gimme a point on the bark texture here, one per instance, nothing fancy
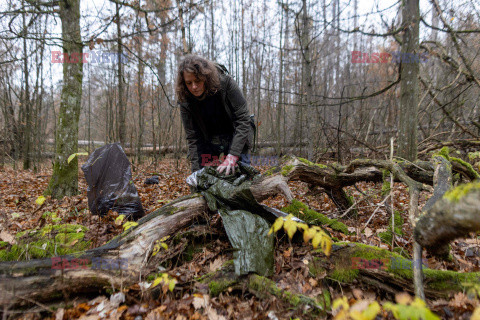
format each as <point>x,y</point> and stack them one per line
<point>64,181</point>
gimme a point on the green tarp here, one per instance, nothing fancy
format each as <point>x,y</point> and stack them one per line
<point>245,220</point>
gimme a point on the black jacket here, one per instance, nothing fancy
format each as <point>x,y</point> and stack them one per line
<point>236,107</point>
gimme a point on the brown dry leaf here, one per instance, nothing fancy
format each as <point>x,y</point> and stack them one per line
<point>59,314</point>
<point>460,300</point>
<point>200,301</point>
<point>216,264</point>
<point>357,293</point>
<point>368,232</point>
<point>287,253</point>
<point>360,305</point>
<point>403,298</point>
<point>7,237</point>
<point>213,315</point>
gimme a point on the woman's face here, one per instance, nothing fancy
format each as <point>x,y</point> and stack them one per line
<point>194,85</point>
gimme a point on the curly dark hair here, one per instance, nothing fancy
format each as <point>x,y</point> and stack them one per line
<point>203,69</point>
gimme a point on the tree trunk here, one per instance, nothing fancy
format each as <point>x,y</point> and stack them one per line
<point>64,181</point>
<point>409,71</point>
<point>26,103</point>
<point>122,104</point>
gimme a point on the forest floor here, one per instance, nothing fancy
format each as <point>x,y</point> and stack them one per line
<point>19,212</point>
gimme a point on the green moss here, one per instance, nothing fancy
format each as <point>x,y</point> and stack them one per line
<point>69,238</point>
<point>4,244</point>
<point>312,217</point>
<point>315,267</point>
<point>327,299</point>
<point>449,280</point>
<point>51,240</point>
<point>264,285</point>
<point>386,182</point>
<point>216,287</point>
<point>272,171</point>
<point>402,252</point>
<point>444,152</point>
<point>474,155</point>
<point>307,162</point>
<point>344,275</point>
<point>467,166</point>
<point>459,192</point>
<point>286,170</point>
<point>440,280</point>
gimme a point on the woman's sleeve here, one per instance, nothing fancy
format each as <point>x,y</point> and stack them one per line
<point>242,117</point>
<point>192,138</point>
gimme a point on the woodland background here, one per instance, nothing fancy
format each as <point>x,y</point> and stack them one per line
<point>294,62</point>
<point>292,59</point>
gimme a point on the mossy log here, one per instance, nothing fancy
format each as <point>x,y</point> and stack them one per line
<point>387,271</point>
<point>454,215</point>
<point>25,282</point>
<point>225,279</point>
<point>349,263</point>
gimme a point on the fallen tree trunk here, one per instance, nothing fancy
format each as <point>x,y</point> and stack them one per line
<point>25,282</point>
<point>34,280</point>
<point>356,263</point>
<point>453,216</point>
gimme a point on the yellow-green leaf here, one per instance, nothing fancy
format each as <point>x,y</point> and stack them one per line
<point>316,239</point>
<point>127,225</point>
<point>476,314</point>
<point>372,311</point>
<point>72,156</point>
<point>340,302</point>
<point>119,219</point>
<point>326,244</point>
<point>291,227</point>
<point>157,281</point>
<point>155,250</point>
<point>277,225</point>
<point>40,200</point>
<point>302,226</point>
<point>171,285</point>
<point>308,234</point>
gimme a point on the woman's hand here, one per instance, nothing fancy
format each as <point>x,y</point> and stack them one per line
<point>229,164</point>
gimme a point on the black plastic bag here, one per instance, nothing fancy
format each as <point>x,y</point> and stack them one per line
<point>110,185</point>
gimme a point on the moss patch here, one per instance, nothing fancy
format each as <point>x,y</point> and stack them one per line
<point>262,285</point>
<point>398,266</point>
<point>272,170</point>
<point>50,241</point>
<point>216,287</point>
<point>344,275</point>
<point>286,170</point>
<point>459,192</point>
<point>467,165</point>
<point>310,163</point>
<point>302,211</point>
